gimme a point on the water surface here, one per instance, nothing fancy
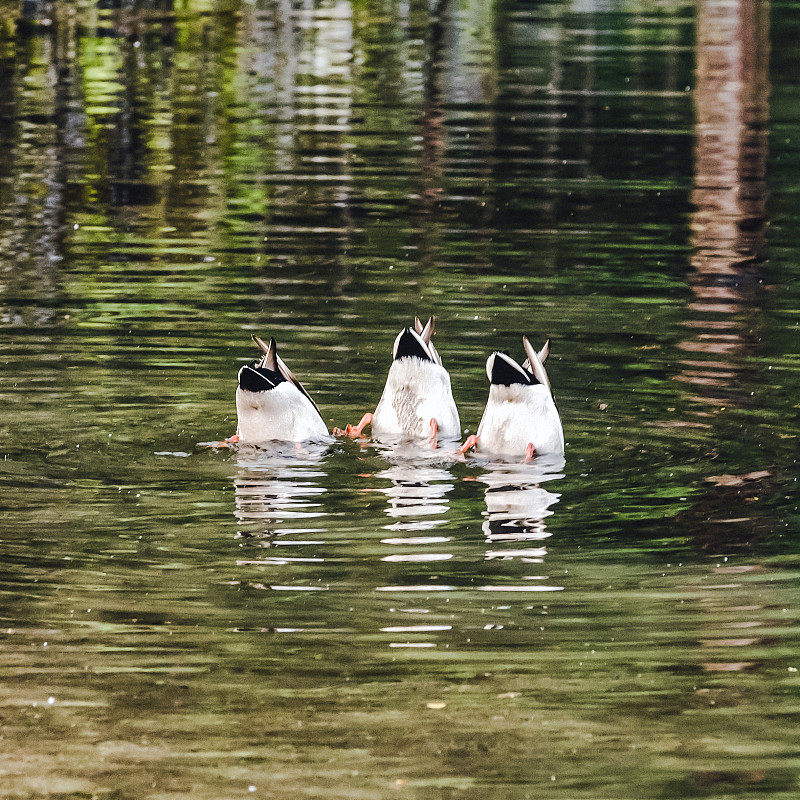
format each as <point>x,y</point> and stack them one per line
<point>357,620</point>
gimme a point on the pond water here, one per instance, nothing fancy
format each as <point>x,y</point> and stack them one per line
<point>358,621</point>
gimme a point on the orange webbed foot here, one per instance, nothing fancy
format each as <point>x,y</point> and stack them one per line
<point>354,430</point>
<point>434,433</point>
<point>231,440</point>
<point>530,452</point>
<point>472,441</point>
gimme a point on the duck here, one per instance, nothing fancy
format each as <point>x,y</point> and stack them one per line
<point>520,417</point>
<point>272,405</point>
<point>417,400</point>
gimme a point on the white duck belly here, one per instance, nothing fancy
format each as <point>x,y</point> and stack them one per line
<point>416,392</point>
<point>518,415</point>
<point>282,413</point>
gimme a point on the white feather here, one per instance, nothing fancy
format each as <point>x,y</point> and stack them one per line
<point>518,415</point>
<point>283,413</point>
<point>416,392</point>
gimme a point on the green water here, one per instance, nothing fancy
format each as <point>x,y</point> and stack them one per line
<point>356,621</point>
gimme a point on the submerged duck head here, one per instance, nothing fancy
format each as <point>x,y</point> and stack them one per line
<point>520,417</point>
<point>417,400</point>
<point>271,404</point>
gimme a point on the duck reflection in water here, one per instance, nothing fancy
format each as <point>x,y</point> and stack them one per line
<point>517,506</point>
<point>521,418</point>
<point>417,495</point>
<point>418,502</point>
<point>278,492</point>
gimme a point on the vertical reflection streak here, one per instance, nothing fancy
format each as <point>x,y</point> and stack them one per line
<point>728,224</point>
<point>277,493</point>
<point>417,501</point>
<point>729,197</point>
<point>517,506</point>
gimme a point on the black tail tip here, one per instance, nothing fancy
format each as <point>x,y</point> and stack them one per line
<point>410,345</point>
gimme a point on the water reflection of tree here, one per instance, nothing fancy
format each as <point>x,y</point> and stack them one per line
<point>729,198</point>
<point>728,224</point>
<point>459,73</point>
<point>39,130</point>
